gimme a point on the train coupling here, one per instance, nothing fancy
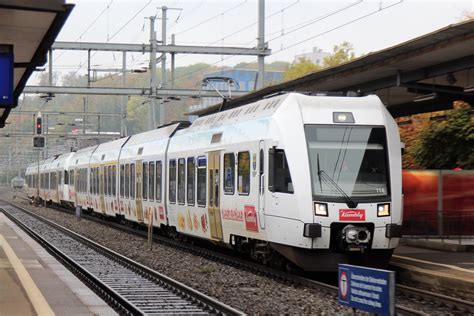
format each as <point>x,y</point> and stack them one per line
<point>356,237</point>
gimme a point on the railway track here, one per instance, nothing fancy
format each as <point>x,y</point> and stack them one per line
<point>126,285</point>
<point>410,300</point>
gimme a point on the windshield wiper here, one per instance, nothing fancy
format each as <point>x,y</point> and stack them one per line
<point>350,202</point>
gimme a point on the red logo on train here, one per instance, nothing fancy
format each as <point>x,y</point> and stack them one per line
<point>250,218</point>
<point>351,215</point>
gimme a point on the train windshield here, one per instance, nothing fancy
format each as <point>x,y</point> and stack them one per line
<point>347,161</point>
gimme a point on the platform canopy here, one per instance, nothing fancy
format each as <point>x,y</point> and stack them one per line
<point>30,28</point>
<point>424,74</point>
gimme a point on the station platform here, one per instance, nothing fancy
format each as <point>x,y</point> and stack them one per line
<point>32,282</point>
<point>445,270</point>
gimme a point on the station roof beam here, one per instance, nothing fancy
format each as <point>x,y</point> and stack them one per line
<point>30,27</point>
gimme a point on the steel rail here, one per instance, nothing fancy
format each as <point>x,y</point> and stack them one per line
<point>285,277</point>
<point>124,306</point>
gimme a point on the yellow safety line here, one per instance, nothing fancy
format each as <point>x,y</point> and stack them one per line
<point>34,294</point>
<point>436,264</point>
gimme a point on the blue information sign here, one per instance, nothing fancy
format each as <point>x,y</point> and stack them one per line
<point>6,79</point>
<point>367,289</point>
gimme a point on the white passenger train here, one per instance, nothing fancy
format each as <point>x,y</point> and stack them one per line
<point>314,179</point>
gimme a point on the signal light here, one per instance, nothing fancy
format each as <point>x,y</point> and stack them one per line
<point>39,125</point>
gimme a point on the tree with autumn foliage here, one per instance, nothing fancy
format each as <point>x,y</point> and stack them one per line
<point>341,54</point>
<point>448,144</point>
<point>301,68</point>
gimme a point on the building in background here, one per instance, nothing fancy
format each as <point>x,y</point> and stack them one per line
<point>316,56</point>
<point>243,80</point>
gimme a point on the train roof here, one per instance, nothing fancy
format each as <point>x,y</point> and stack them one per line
<point>109,151</point>
<point>153,135</point>
<point>262,108</point>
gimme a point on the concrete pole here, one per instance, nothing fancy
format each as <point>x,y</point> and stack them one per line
<point>151,112</point>
<point>123,126</point>
<point>261,43</point>
<point>50,57</point>
<point>163,63</point>
<point>84,116</point>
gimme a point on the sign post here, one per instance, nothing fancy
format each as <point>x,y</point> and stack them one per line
<point>367,289</point>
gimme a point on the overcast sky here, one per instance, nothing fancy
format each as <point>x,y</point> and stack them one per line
<point>292,27</point>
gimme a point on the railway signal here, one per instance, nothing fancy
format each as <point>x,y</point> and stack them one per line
<point>39,125</point>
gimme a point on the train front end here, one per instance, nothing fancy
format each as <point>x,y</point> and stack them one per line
<point>353,183</point>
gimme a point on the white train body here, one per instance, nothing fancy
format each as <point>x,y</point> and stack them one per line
<point>315,179</point>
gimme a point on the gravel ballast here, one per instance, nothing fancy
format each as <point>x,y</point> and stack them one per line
<point>243,290</point>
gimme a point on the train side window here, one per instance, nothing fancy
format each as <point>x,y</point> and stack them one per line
<point>114,180</point>
<point>201,181</point>
<point>122,180</point>
<point>151,181</point>
<point>99,180</point>
<point>172,181</point>
<point>158,181</point>
<point>132,181</point>
<point>127,180</point>
<point>244,173</point>
<point>106,180</point>
<point>181,180</point>
<point>110,180</point>
<point>229,173</point>
<point>91,181</point>
<point>279,178</point>
<point>145,181</point>
<point>261,185</point>
<point>190,178</point>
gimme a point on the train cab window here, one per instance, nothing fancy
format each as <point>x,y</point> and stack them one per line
<point>66,177</point>
<point>279,178</point>
<point>190,178</point>
<point>151,181</point>
<point>243,177</point>
<point>201,181</point>
<point>127,180</point>
<point>122,180</point>
<point>172,181</point>
<point>181,180</point>
<point>132,181</point>
<point>145,181</point>
<point>229,173</point>
<point>158,181</point>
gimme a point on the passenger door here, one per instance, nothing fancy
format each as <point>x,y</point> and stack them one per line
<point>261,187</point>
<point>138,190</point>
<point>215,222</point>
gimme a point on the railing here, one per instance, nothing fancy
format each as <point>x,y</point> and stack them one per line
<point>438,203</point>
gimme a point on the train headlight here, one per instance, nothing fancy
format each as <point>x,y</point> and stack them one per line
<point>321,209</point>
<point>383,209</point>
